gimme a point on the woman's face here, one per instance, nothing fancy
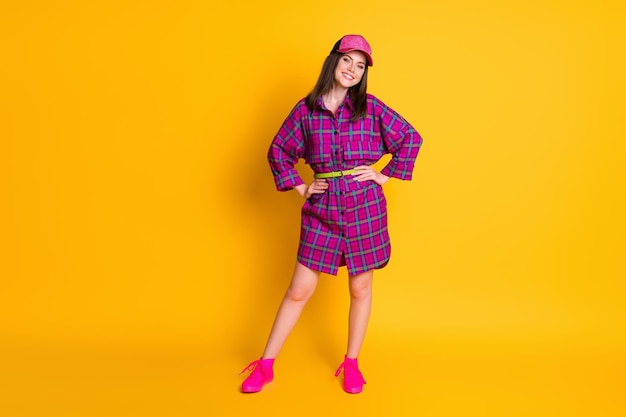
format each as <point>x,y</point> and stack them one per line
<point>350,69</point>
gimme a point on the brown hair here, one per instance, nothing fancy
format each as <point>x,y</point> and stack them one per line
<point>326,81</point>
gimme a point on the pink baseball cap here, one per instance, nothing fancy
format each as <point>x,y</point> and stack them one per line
<point>350,43</point>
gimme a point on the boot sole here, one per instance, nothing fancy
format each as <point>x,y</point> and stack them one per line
<point>255,389</point>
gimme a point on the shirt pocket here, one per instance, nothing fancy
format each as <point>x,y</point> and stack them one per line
<point>362,150</point>
<point>317,149</point>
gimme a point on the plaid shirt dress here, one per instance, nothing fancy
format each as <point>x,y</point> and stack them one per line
<point>347,224</point>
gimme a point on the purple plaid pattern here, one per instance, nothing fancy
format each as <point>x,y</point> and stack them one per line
<point>346,225</point>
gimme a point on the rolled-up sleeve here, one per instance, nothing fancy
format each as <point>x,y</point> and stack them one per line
<point>400,139</point>
<point>286,149</point>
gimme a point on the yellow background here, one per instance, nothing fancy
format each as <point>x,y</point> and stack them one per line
<point>145,249</point>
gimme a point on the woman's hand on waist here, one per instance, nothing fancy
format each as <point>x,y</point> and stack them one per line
<point>367,173</point>
<point>316,187</point>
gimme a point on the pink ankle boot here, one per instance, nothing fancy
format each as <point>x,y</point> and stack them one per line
<point>352,379</point>
<point>262,373</point>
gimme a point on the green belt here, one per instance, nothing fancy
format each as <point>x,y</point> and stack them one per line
<point>334,174</point>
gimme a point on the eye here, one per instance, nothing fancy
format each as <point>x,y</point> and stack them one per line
<point>361,67</point>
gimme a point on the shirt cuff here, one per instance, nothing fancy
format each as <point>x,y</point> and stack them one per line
<point>398,169</point>
<point>286,180</point>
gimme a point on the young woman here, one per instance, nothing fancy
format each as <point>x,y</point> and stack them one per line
<point>340,131</point>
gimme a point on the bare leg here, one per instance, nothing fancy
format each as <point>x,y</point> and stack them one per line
<point>302,286</point>
<point>360,308</point>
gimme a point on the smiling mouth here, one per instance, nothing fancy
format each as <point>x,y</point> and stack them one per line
<point>348,76</point>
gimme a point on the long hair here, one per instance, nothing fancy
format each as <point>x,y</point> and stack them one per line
<point>326,81</point>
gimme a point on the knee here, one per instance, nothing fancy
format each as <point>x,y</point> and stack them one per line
<point>299,293</point>
<point>361,291</point>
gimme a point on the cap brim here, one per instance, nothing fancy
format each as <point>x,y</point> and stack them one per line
<point>370,61</point>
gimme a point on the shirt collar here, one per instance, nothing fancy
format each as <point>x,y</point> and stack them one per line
<point>347,102</point>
